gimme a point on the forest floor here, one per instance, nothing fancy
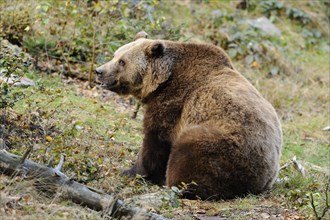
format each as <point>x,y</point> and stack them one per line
<point>94,129</point>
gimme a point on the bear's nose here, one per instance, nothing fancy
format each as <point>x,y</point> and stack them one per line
<point>98,72</point>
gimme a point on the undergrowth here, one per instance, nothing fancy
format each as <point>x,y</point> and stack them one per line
<point>94,129</point>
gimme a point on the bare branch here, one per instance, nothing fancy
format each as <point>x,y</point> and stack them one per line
<point>136,110</point>
<point>26,154</point>
<point>60,164</point>
<point>286,165</point>
<point>91,70</point>
<point>298,166</point>
<point>327,207</point>
<point>313,206</point>
<point>50,163</point>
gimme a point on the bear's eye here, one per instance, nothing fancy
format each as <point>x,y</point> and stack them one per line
<point>121,62</point>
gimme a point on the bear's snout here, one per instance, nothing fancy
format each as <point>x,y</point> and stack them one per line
<point>99,71</point>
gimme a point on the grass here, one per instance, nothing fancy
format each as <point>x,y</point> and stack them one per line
<point>94,129</point>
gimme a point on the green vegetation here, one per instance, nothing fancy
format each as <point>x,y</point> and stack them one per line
<point>60,43</point>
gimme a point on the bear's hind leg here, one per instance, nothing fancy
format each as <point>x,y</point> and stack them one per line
<point>218,163</point>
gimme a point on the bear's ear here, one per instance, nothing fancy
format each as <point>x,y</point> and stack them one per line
<point>141,34</point>
<point>156,49</point>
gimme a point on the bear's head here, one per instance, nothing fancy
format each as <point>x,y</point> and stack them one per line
<point>137,68</point>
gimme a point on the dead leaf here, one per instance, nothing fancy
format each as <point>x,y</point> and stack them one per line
<point>255,65</point>
<point>265,215</point>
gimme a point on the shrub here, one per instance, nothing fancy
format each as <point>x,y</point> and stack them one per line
<point>14,63</point>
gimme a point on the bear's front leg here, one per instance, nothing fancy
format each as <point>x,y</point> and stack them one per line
<point>152,159</point>
<point>137,168</point>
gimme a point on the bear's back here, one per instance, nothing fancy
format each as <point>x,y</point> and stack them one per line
<point>227,100</point>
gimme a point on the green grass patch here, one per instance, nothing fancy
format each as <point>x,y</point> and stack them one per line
<point>97,134</point>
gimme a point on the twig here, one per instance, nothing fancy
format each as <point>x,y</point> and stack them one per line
<point>26,154</point>
<point>60,164</point>
<point>327,207</point>
<point>296,165</point>
<point>313,206</point>
<point>91,72</point>
<point>136,110</point>
<point>50,163</point>
<point>286,165</point>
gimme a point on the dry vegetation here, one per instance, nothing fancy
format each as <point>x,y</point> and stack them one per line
<point>65,114</point>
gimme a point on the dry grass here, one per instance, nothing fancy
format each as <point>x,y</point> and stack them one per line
<point>20,200</point>
<point>108,140</point>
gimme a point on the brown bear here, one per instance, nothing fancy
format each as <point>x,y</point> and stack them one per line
<point>203,122</point>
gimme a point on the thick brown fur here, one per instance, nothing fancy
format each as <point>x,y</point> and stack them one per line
<point>203,121</point>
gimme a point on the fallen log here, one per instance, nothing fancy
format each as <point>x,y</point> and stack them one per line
<point>51,180</point>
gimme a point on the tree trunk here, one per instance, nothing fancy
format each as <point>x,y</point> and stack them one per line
<point>51,180</point>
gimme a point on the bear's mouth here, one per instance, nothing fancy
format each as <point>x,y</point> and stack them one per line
<point>117,87</point>
<point>110,85</point>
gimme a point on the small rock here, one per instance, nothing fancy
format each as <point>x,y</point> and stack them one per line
<point>265,215</point>
<point>17,81</point>
<point>14,50</point>
<point>326,128</point>
<point>325,48</point>
<point>149,200</point>
<point>25,82</point>
<point>265,25</point>
<point>200,217</point>
<point>216,13</point>
<point>274,71</point>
